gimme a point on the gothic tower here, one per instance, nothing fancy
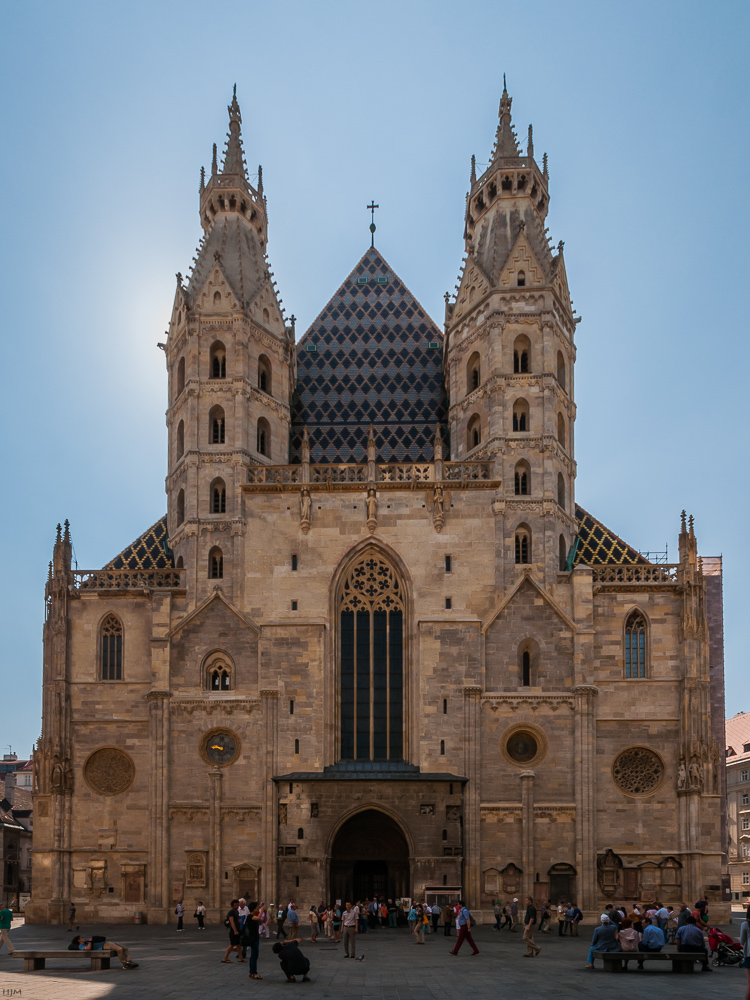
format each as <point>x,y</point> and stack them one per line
<point>509,355</point>
<point>231,362</point>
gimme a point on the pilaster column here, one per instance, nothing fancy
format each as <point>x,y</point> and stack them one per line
<point>472,846</point>
<point>214,860</point>
<point>527,847</point>
<point>270,700</point>
<point>585,792</point>
<point>158,800</point>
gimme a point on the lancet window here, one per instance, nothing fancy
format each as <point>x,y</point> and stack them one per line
<point>111,648</point>
<point>635,645</point>
<point>371,609</point>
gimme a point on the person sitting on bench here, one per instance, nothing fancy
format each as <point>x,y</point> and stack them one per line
<point>689,937</point>
<point>97,944</point>
<point>603,939</point>
<point>293,962</point>
<point>653,938</point>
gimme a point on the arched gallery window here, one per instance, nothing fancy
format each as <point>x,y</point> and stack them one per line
<point>216,427</point>
<point>180,513</point>
<point>180,375</point>
<point>561,369</point>
<point>523,544</point>
<point>215,564</point>
<point>474,432</point>
<point>264,437</point>
<point>264,375</point>
<point>528,662</point>
<point>561,429</point>
<point>561,489</point>
<point>110,638</point>
<point>473,373</point>
<point>522,479</point>
<point>563,553</point>
<point>218,361</point>
<point>371,609</point>
<point>180,446</point>
<point>522,354</point>
<point>218,497</point>
<point>635,645</point>
<point>521,415</point>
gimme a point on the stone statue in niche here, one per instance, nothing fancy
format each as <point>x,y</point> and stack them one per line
<point>372,510</point>
<point>694,772</point>
<point>438,509</point>
<point>57,775</point>
<point>681,776</point>
<point>282,813</point>
<point>305,511</point>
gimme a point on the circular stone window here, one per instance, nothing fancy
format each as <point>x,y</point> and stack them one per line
<point>109,771</point>
<point>220,746</point>
<point>524,745</point>
<point>638,771</point>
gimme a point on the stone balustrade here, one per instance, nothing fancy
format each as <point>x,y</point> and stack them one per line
<point>364,472</point>
<point>126,579</point>
<point>646,573</point>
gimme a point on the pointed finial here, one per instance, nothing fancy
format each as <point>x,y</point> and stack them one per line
<point>59,531</point>
<point>530,142</point>
<point>67,530</point>
<point>214,164</point>
<point>203,179</point>
<point>506,143</point>
<point>49,572</point>
<point>293,321</point>
<point>260,179</point>
<point>473,169</point>
<point>179,279</point>
<point>234,159</point>
<point>560,246</point>
<point>234,92</point>
<point>691,522</point>
<point>683,525</point>
<point>545,171</point>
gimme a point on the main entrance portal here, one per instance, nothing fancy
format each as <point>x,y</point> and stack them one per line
<point>370,857</point>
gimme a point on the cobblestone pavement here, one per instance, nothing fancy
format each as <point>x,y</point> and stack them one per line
<point>187,966</point>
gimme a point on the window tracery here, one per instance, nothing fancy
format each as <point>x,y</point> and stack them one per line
<point>371,613</point>
<point>635,645</point>
<point>111,648</point>
<point>638,771</point>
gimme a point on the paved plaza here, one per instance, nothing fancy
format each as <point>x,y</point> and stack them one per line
<point>187,966</point>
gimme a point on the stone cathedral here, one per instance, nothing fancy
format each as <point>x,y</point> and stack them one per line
<point>375,647</point>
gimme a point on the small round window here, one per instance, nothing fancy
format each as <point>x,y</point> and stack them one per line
<point>522,746</point>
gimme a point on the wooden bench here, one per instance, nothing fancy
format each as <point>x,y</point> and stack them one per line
<point>617,961</point>
<point>34,960</point>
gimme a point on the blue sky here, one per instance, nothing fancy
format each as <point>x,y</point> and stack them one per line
<point>109,110</point>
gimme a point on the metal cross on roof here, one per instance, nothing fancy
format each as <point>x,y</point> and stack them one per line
<point>372,206</point>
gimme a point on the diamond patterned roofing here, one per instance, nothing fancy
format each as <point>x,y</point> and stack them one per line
<point>371,363</point>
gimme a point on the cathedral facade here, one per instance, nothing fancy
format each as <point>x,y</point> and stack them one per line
<point>375,647</point>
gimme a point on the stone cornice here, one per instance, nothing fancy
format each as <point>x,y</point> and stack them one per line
<point>210,705</point>
<point>532,700</point>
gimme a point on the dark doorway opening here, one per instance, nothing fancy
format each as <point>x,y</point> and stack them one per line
<point>369,858</point>
<point>562,883</point>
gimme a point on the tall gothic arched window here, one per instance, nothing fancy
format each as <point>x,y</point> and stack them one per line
<point>111,648</point>
<point>371,609</point>
<point>635,645</point>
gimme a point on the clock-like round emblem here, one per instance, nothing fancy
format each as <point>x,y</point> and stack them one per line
<point>220,746</point>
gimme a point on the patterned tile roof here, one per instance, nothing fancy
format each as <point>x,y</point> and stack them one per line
<point>598,546</point>
<point>366,359</point>
<point>146,552</point>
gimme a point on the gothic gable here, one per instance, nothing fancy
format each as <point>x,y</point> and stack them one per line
<point>372,356</point>
<point>522,259</point>
<point>214,627</point>
<point>474,287</point>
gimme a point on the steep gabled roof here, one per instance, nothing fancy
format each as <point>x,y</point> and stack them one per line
<point>147,551</point>
<point>365,360</point>
<point>598,546</point>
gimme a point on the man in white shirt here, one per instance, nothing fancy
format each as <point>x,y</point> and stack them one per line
<point>349,920</point>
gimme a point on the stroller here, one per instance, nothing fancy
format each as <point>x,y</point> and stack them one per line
<point>728,951</point>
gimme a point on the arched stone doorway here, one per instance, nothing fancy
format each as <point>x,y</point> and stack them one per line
<point>369,858</point>
<point>562,883</point>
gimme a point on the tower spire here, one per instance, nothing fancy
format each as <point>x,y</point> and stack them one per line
<point>234,157</point>
<point>506,143</point>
